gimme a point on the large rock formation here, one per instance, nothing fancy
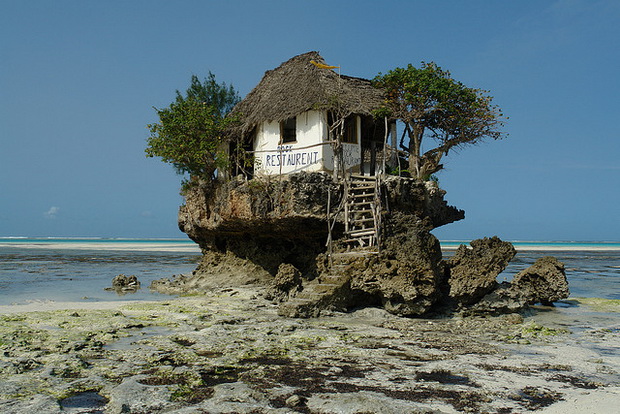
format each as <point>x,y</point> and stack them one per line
<point>473,271</point>
<point>249,229</point>
<point>268,222</point>
<point>544,282</point>
<point>274,231</point>
<point>406,276</point>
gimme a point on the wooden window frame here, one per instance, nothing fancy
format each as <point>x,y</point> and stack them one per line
<point>288,134</point>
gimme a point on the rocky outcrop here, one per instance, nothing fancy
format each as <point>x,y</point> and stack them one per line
<point>287,282</point>
<point>280,226</point>
<point>406,276</point>
<point>270,221</point>
<point>273,232</point>
<point>293,208</point>
<point>423,199</point>
<point>216,270</point>
<point>473,270</point>
<point>544,282</point>
<point>504,299</point>
<point>265,221</point>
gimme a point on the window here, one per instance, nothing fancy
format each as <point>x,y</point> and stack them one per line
<point>288,130</point>
<point>350,130</point>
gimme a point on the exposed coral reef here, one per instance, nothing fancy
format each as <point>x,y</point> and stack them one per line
<point>228,351</point>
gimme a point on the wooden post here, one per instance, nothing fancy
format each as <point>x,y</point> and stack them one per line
<point>373,157</point>
<point>329,227</point>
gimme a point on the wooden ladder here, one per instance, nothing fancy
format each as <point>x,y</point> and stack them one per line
<point>362,211</point>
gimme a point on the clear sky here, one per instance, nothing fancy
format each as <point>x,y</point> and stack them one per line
<point>79,79</point>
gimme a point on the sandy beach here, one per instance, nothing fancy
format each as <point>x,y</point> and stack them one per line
<point>106,246</point>
<point>229,351</point>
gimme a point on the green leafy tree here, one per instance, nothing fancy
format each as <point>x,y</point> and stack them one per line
<point>190,133</point>
<point>433,105</point>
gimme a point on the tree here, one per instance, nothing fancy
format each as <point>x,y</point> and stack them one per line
<point>190,133</point>
<point>223,98</point>
<point>432,104</point>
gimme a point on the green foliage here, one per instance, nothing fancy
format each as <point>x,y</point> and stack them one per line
<point>190,133</point>
<point>398,171</point>
<point>432,104</point>
<point>221,97</point>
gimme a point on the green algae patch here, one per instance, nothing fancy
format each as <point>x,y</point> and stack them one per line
<point>63,330</point>
<point>58,353</point>
<point>170,314</point>
<point>534,330</point>
<point>600,304</point>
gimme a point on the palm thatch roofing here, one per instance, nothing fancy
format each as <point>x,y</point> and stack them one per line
<point>297,86</point>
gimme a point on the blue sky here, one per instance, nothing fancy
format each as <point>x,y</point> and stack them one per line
<point>79,79</point>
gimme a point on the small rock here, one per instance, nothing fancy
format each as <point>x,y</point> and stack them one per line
<point>122,284</point>
<point>287,281</point>
<point>294,401</point>
<point>513,318</point>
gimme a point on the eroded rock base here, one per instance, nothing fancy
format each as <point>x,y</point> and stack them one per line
<point>273,232</point>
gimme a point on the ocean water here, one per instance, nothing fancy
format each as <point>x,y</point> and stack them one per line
<point>80,269</point>
<point>33,270</point>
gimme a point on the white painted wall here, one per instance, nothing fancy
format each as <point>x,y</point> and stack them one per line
<point>303,154</point>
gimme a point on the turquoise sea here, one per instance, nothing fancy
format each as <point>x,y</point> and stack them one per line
<point>78,269</point>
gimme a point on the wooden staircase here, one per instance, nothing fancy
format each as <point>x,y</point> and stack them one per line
<point>362,212</point>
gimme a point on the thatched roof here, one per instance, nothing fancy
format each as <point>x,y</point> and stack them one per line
<point>297,86</point>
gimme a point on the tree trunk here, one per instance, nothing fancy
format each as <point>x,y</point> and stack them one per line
<point>415,146</point>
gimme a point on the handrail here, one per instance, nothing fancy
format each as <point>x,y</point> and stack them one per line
<point>332,223</point>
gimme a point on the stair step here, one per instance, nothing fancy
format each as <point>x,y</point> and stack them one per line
<point>362,226</point>
<point>333,279</point>
<point>365,237</point>
<point>363,177</point>
<point>349,254</point>
<point>362,233</point>
<point>363,195</point>
<point>328,284</point>
<point>361,207</point>
<point>363,242</point>
<point>362,220</point>
<point>362,186</point>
